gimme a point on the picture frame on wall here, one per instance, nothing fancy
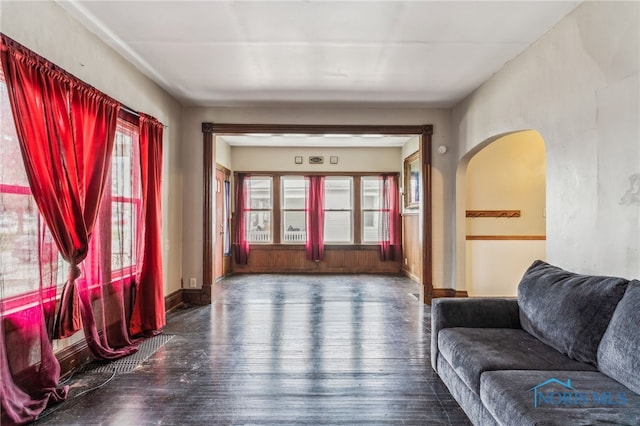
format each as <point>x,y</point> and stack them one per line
<point>412,181</point>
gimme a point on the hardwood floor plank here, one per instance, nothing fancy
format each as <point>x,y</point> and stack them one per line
<point>282,349</point>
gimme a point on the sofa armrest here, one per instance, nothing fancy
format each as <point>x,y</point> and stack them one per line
<point>471,313</point>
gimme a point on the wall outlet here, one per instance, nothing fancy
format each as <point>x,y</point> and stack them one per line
<point>406,261</point>
<point>192,283</point>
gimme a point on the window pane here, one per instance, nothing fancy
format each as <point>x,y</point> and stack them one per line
<point>125,199</point>
<point>123,235</point>
<point>337,227</point>
<point>371,193</point>
<point>258,221</point>
<point>294,227</point>
<point>20,223</point>
<point>293,192</point>
<point>259,192</point>
<point>258,226</point>
<point>19,244</point>
<point>370,223</point>
<point>121,166</point>
<point>337,194</point>
<point>338,224</point>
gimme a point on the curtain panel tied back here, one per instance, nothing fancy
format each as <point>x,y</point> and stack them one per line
<point>66,131</point>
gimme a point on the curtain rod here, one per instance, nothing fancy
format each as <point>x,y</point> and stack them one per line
<point>136,113</point>
<point>6,40</point>
<point>129,110</point>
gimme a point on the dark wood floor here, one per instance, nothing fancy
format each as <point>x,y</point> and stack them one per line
<point>281,349</point>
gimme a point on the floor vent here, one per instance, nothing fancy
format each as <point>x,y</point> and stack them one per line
<point>123,365</point>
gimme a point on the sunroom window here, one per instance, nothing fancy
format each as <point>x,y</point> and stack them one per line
<point>338,210</point>
<point>293,209</point>
<point>259,209</point>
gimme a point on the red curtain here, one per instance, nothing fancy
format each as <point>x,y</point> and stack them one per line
<point>242,245</point>
<point>314,216</point>
<point>102,298</point>
<point>66,132</point>
<point>19,406</point>
<point>390,229</point>
<point>148,315</point>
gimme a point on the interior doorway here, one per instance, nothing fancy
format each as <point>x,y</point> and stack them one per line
<point>222,246</point>
<point>211,130</point>
<point>504,212</point>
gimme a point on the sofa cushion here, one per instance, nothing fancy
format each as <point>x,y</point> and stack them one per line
<point>468,400</point>
<point>583,398</point>
<point>568,311</point>
<point>472,351</point>
<point>619,351</point>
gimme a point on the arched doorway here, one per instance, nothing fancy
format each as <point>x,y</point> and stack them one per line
<point>502,203</point>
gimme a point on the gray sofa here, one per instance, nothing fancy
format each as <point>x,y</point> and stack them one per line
<point>565,352</point>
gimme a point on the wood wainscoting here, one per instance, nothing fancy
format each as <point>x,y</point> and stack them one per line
<point>411,250</point>
<point>282,259</point>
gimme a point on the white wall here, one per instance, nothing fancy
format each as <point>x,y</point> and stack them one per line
<point>192,160</point>
<point>578,86</point>
<point>495,268</point>
<point>281,159</point>
<point>223,153</point>
<point>507,174</point>
<point>48,30</point>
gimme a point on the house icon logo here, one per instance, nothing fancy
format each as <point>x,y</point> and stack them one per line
<point>556,393</point>
<point>536,389</point>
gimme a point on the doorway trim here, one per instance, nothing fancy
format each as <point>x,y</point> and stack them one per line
<point>210,129</point>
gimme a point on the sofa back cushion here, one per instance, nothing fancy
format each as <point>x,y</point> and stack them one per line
<point>619,351</point>
<point>568,311</point>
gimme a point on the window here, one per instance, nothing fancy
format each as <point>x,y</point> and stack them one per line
<point>22,229</point>
<point>355,211</point>
<point>125,198</point>
<point>338,210</point>
<point>371,209</point>
<point>294,190</point>
<point>259,209</point>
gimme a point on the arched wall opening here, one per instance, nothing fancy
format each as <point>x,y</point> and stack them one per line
<point>501,209</point>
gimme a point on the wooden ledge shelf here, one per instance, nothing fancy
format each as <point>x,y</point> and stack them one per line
<point>493,213</point>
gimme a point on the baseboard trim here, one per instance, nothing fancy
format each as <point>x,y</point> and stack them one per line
<point>410,275</point>
<point>174,300</point>
<point>449,292</point>
<point>73,357</point>
<point>195,297</point>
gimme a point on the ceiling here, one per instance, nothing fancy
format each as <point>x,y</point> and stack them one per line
<point>364,53</point>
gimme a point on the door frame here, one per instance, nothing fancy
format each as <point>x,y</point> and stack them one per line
<point>210,129</point>
<point>225,260</point>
